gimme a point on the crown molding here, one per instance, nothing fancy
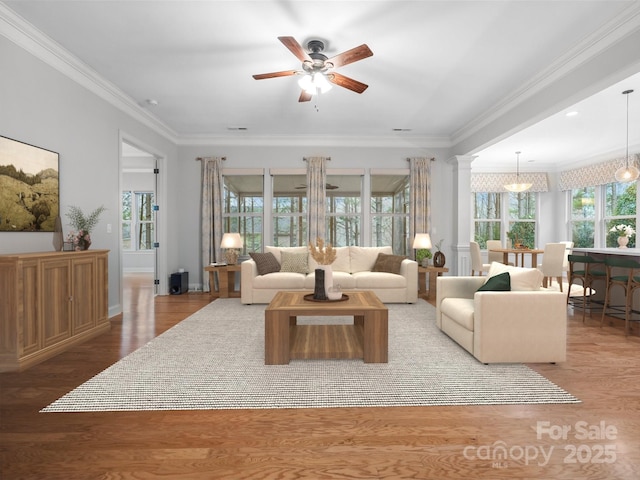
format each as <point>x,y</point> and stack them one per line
<point>243,139</point>
<point>29,38</point>
<point>625,24</point>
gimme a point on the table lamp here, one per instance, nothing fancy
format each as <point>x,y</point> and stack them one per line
<point>422,241</point>
<point>232,242</point>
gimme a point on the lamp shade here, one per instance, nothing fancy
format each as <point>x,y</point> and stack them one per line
<point>231,240</point>
<point>518,185</point>
<point>422,240</point>
<point>628,173</point>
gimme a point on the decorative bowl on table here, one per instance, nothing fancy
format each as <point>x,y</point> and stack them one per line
<point>334,293</point>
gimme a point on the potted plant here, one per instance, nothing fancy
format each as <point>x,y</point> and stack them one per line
<point>623,232</point>
<point>423,255</point>
<point>83,224</point>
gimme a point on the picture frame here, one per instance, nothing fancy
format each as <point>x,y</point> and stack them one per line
<point>29,187</point>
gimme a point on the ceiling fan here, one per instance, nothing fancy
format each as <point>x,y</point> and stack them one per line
<point>327,186</point>
<point>318,68</point>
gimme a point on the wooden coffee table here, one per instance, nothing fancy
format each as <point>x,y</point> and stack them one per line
<point>366,338</point>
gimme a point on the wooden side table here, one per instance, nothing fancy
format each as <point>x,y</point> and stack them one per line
<point>433,272</point>
<point>226,280</point>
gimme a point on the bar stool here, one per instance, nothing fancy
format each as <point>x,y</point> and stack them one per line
<point>588,271</point>
<point>629,282</point>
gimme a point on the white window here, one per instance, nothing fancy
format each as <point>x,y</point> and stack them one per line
<point>619,209</point>
<point>243,209</point>
<point>137,220</point>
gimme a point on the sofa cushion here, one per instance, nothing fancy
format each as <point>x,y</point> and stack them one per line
<point>363,258</point>
<point>388,263</point>
<point>344,279</point>
<point>294,262</point>
<point>277,251</point>
<point>522,279</point>
<point>497,283</point>
<point>280,281</point>
<point>379,280</point>
<point>265,262</point>
<point>460,310</point>
<point>340,264</point>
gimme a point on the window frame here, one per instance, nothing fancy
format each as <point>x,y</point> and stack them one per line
<point>135,223</point>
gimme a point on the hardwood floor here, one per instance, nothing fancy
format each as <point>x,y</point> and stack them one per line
<point>355,443</point>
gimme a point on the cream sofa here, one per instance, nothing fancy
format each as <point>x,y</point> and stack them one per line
<point>526,324</point>
<point>351,270</point>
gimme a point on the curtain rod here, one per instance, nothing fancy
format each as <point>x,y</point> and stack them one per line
<point>433,159</point>
<point>202,158</point>
<point>326,158</point>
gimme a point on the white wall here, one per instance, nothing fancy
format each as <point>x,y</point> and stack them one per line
<point>187,214</point>
<point>43,107</point>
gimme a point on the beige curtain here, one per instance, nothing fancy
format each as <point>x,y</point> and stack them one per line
<point>211,213</point>
<point>419,196</point>
<point>316,197</point>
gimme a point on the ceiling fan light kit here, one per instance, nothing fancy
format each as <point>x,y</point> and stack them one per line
<point>317,70</point>
<point>628,173</point>
<point>518,186</point>
<point>314,83</point>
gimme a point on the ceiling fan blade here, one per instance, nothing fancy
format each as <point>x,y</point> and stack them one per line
<point>284,73</point>
<point>347,82</point>
<point>350,56</point>
<point>304,96</point>
<point>295,48</point>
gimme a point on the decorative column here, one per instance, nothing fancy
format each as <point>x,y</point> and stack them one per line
<point>462,221</point>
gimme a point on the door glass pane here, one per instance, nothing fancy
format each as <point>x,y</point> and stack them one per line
<point>243,209</point>
<point>390,212</point>
<point>290,210</point>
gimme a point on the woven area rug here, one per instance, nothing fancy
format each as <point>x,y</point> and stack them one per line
<point>214,359</point>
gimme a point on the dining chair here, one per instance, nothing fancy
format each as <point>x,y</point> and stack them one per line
<point>587,270</point>
<point>629,281</point>
<point>476,259</point>
<point>552,263</point>
<point>495,256</point>
<point>568,251</point>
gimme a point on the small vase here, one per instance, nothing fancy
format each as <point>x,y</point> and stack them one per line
<point>83,244</point>
<point>58,237</point>
<point>319,292</point>
<point>439,259</point>
<point>622,242</point>
<point>328,277</point>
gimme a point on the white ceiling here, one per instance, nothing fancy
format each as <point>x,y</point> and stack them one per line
<point>439,69</point>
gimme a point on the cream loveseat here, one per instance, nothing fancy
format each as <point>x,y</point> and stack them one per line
<point>352,270</point>
<point>526,324</point>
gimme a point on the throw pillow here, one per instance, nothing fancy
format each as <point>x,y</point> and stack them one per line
<point>497,283</point>
<point>522,279</point>
<point>294,262</point>
<point>388,263</point>
<point>265,262</point>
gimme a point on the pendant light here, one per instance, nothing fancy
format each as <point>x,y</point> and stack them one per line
<point>518,186</point>
<point>628,173</point>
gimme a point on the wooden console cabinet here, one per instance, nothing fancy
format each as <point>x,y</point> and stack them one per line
<point>50,301</point>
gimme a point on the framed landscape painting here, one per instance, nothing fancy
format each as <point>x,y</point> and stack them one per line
<point>29,187</point>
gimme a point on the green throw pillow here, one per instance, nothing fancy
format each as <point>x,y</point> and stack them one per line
<point>497,283</point>
<point>265,262</point>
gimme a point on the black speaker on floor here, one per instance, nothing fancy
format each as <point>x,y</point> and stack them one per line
<point>179,283</point>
